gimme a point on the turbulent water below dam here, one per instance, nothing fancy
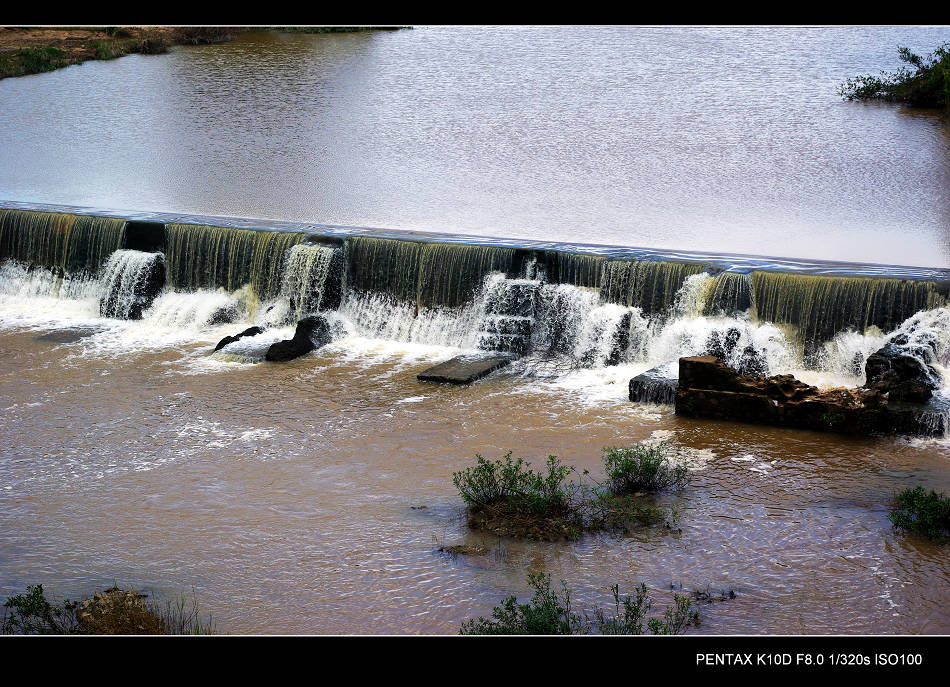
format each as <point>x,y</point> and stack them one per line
<point>314,496</point>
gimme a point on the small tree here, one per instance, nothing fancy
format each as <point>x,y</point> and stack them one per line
<point>925,82</point>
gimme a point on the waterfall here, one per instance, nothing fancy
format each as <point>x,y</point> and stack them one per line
<point>507,313</point>
<point>130,281</point>
<point>650,285</point>
<point>818,307</point>
<point>200,256</point>
<point>584,309</point>
<point>305,278</point>
<point>731,294</point>
<point>428,275</point>
<point>65,242</point>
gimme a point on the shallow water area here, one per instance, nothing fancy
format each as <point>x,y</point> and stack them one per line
<point>291,496</point>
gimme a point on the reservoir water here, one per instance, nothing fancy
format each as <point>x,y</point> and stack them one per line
<point>716,139</point>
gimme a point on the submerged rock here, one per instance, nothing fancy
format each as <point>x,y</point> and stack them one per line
<point>312,333</point>
<point>709,388</point>
<point>893,370</point>
<point>463,369</point>
<point>250,331</point>
<point>655,386</point>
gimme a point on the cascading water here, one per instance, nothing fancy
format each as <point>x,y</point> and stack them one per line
<point>650,285</point>
<point>305,278</point>
<point>130,281</point>
<point>818,307</point>
<point>65,242</point>
<point>225,257</point>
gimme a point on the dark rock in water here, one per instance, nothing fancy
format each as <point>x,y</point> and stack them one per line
<point>224,315</point>
<point>312,333</point>
<point>904,377</point>
<point>722,345</point>
<point>250,331</point>
<point>620,341</point>
<point>752,362</point>
<point>463,370</point>
<point>655,386</point>
<point>71,335</point>
<point>709,388</point>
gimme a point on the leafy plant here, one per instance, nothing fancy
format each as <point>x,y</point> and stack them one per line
<point>923,513</point>
<point>925,84</point>
<point>550,613</point>
<point>33,614</point>
<point>112,612</point>
<point>644,467</point>
<point>513,481</point>
<point>547,613</point>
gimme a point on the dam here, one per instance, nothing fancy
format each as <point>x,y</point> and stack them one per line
<point>588,305</point>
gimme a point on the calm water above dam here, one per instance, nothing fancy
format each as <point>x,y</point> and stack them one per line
<point>719,139</point>
<point>313,496</point>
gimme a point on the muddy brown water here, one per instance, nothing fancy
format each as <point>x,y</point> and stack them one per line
<point>313,496</point>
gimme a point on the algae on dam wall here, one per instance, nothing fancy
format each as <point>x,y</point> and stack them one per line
<point>443,274</point>
<point>820,306</point>
<point>60,241</point>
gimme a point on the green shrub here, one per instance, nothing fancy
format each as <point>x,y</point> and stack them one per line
<point>105,50</point>
<point>35,60</point>
<point>33,614</point>
<point>515,483</point>
<point>549,613</point>
<point>644,467</point>
<point>927,84</point>
<point>112,612</point>
<point>922,513</point>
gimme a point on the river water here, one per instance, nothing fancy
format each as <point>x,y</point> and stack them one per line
<point>716,139</point>
<point>314,496</point>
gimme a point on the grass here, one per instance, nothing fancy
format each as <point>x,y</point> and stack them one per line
<point>550,612</point>
<point>923,82</point>
<point>508,498</point>
<point>923,513</point>
<point>112,612</point>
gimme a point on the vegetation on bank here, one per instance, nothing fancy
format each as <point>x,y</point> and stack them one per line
<point>112,612</point>
<point>550,613</point>
<point>924,513</point>
<point>507,497</point>
<point>32,50</point>
<point>924,82</point>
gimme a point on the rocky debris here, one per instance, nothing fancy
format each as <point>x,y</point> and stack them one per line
<point>118,612</point>
<point>69,334</point>
<point>312,333</point>
<point>709,388</point>
<point>723,346</point>
<point>224,315</point>
<point>250,331</point>
<point>655,386</point>
<point>465,550</point>
<point>463,369</point>
<point>900,372</point>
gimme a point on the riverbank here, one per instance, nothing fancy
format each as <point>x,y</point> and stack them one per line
<point>32,50</point>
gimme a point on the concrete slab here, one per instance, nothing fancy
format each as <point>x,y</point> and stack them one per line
<point>463,369</point>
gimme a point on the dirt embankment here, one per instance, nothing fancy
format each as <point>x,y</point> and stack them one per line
<point>27,50</point>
